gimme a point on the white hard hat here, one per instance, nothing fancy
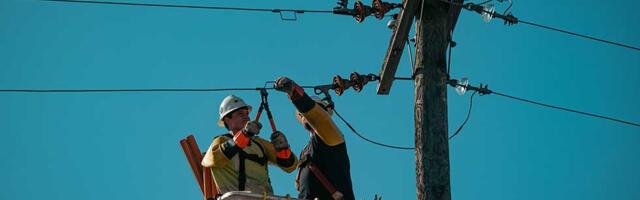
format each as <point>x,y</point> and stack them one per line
<point>229,104</point>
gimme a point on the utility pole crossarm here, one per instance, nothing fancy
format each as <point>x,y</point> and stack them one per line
<point>396,45</point>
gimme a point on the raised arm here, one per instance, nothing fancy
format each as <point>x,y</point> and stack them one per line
<point>317,117</point>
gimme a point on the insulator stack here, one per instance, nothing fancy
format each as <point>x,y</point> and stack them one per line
<point>340,84</point>
<point>359,81</point>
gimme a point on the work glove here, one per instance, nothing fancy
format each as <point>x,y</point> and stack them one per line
<point>287,85</point>
<point>252,128</point>
<point>279,141</point>
<point>284,84</point>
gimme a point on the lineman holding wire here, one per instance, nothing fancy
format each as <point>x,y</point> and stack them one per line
<point>238,159</point>
<point>324,169</point>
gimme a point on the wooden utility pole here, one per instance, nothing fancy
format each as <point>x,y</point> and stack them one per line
<point>431,136</point>
<point>435,21</point>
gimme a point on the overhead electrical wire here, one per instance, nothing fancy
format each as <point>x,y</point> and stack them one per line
<point>274,10</point>
<point>194,7</point>
<point>132,90</point>
<point>484,90</point>
<point>510,19</point>
<point>466,118</point>
<point>125,90</point>
<point>566,109</point>
<point>579,35</point>
<point>184,90</point>
<point>368,140</point>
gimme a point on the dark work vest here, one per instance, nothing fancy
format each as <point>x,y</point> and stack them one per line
<point>333,162</point>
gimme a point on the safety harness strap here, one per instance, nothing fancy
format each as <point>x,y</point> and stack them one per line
<point>242,156</point>
<point>327,185</point>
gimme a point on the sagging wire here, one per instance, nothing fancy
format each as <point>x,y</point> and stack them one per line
<point>462,86</point>
<point>466,118</point>
<point>324,89</point>
<point>366,139</point>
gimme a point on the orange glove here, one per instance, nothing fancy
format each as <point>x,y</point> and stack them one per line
<point>251,129</point>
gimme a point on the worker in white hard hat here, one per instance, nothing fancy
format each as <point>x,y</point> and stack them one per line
<point>238,159</point>
<point>324,169</point>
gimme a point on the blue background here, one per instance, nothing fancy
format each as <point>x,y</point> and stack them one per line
<point>125,145</point>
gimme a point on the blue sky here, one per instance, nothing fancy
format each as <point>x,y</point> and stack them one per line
<point>125,145</point>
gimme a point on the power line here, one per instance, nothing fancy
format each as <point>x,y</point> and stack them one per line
<point>116,90</point>
<point>510,19</point>
<point>183,90</point>
<point>275,10</point>
<point>567,109</point>
<point>134,90</point>
<point>483,90</point>
<point>126,90</point>
<point>580,35</point>
<point>194,7</point>
<point>368,140</point>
